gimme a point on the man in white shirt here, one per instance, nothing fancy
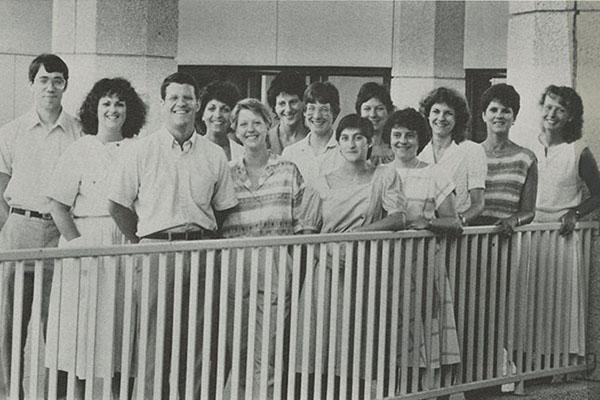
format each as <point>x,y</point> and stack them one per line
<point>172,185</point>
<point>30,147</point>
<point>318,153</point>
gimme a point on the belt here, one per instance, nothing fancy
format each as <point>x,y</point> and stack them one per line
<point>31,213</point>
<point>171,236</point>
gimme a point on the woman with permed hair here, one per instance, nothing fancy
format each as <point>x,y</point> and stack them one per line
<point>565,166</point>
<point>112,114</point>
<point>374,103</point>
<point>217,100</point>
<point>448,116</point>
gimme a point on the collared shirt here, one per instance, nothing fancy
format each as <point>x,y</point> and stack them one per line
<point>279,205</point>
<point>169,185</point>
<point>28,154</point>
<point>313,167</point>
<point>465,163</point>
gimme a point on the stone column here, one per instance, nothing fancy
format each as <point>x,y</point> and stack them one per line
<point>134,39</point>
<point>428,49</point>
<point>556,42</point>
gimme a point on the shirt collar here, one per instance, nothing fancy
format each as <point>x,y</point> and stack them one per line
<point>33,120</point>
<point>331,144</point>
<point>169,140</point>
<point>241,174</point>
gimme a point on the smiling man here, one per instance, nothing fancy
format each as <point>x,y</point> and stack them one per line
<point>174,185</point>
<point>30,147</point>
<point>318,153</point>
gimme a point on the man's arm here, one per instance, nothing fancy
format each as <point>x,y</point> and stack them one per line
<point>4,209</point>
<point>125,219</point>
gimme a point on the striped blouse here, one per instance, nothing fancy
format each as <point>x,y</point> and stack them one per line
<point>280,205</point>
<point>504,183</point>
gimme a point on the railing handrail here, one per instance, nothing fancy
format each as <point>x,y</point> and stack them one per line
<point>217,244</point>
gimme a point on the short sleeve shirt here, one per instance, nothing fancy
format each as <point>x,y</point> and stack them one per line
<point>29,153</point>
<point>313,167</point>
<point>169,185</point>
<point>467,165</point>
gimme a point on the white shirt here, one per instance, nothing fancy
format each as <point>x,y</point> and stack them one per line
<point>465,163</point>
<point>314,167</point>
<point>29,153</point>
<point>170,186</point>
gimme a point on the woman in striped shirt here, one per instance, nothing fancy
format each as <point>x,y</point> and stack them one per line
<point>511,183</point>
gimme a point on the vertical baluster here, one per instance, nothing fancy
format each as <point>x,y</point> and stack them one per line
<point>35,322</point>
<point>451,250</point>
<point>418,313</point>
<point>237,323</point>
<point>282,296</point>
<point>514,329</point>
<point>57,294</point>
<point>502,309</point>
<point>75,266</point>
<point>144,321</point>
<point>92,265</point>
<point>252,303</point>
<point>529,273</point>
<point>373,286</point>
<point>333,328</point>
<point>160,325</point>
<point>347,306</point>
<point>306,323</point>
<point>321,315</point>
<point>395,311</point>
<point>358,320</point>
<point>196,265</point>
<point>15,376</point>
<point>296,272</point>
<point>462,297</point>
<point>110,265</point>
<point>223,319</point>
<point>128,325</point>
<point>428,330</point>
<point>409,296</point>
<point>266,323</point>
<point>549,310</point>
<point>439,253</point>
<point>559,316</point>
<point>494,306</point>
<point>383,313</point>
<point>177,317</point>
<point>472,283</point>
<point>541,245</point>
<point>569,265</point>
<point>484,301</point>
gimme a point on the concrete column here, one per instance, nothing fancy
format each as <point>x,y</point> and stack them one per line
<point>556,42</point>
<point>428,49</point>
<point>134,39</point>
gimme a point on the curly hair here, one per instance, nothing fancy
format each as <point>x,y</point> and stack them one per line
<point>254,105</point>
<point>411,119</point>
<point>289,82</point>
<point>569,99</point>
<point>373,90</point>
<point>120,87</point>
<point>504,94</point>
<point>456,101</point>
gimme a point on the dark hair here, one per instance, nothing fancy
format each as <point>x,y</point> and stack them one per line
<point>183,79</point>
<point>223,91</point>
<point>502,93</point>
<point>355,121</point>
<point>569,99</point>
<point>323,92</point>
<point>411,119</point>
<point>51,63</point>
<point>136,109</point>
<point>289,82</point>
<point>374,90</point>
<point>456,101</point>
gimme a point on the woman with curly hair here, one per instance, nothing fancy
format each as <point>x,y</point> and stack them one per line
<point>217,100</point>
<point>111,115</point>
<point>449,116</point>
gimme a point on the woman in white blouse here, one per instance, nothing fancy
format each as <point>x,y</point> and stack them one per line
<point>111,115</point>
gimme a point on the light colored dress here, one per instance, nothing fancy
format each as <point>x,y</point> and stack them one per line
<point>560,188</point>
<point>344,209</point>
<point>81,181</point>
<point>425,189</point>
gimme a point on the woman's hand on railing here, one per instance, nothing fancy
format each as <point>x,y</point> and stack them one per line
<point>568,221</point>
<point>508,225</point>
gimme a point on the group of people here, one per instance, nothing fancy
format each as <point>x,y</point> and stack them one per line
<point>223,166</point>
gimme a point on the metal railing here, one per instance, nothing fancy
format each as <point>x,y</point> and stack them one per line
<point>316,316</point>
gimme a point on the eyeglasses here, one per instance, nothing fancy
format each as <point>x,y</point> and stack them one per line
<point>58,83</point>
<point>313,109</point>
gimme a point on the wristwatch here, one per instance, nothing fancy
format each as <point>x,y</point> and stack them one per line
<point>577,213</point>
<point>463,219</point>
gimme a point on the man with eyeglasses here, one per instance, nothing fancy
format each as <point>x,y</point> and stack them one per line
<point>30,147</point>
<point>317,153</point>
